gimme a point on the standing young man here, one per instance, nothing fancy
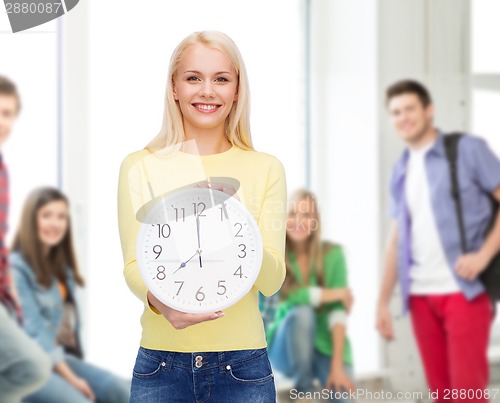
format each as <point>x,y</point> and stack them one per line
<point>24,367</point>
<point>450,312</point>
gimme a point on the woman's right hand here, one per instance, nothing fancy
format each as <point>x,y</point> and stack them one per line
<point>83,387</point>
<point>181,320</point>
<point>80,384</point>
<point>384,323</point>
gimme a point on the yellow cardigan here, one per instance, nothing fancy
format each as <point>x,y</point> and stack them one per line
<point>145,175</point>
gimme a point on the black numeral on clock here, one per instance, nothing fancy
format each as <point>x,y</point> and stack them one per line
<point>163,230</point>
<point>243,250</point>
<point>222,286</point>
<point>199,295</point>
<point>177,214</point>
<point>197,210</point>
<point>238,272</point>
<point>161,273</point>
<point>180,287</point>
<point>238,235</point>
<point>157,249</point>
<point>223,212</point>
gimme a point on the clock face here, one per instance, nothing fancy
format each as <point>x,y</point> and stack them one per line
<point>199,250</point>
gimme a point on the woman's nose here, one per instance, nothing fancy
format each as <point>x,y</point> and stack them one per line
<point>207,90</point>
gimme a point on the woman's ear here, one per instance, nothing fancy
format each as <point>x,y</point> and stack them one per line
<point>174,90</point>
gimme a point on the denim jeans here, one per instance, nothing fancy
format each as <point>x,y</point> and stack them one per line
<point>241,376</point>
<point>24,367</point>
<point>107,387</point>
<point>292,352</point>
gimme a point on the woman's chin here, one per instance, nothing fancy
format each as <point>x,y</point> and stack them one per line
<point>298,237</point>
<point>50,243</point>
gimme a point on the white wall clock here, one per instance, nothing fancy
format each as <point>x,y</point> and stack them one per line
<point>199,250</point>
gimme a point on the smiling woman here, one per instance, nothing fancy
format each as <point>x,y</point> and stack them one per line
<point>202,96</point>
<point>119,108</point>
<point>52,223</point>
<point>205,97</point>
<point>211,356</point>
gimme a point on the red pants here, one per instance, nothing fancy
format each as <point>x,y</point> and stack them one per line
<point>452,334</point>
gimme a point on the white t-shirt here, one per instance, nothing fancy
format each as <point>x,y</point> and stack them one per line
<point>430,272</point>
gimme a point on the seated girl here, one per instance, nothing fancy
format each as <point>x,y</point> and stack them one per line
<point>307,338</point>
<point>46,275</point>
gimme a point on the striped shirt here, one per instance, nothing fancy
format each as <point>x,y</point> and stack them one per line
<point>6,297</point>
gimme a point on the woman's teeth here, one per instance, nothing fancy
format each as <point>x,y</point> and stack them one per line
<point>206,107</point>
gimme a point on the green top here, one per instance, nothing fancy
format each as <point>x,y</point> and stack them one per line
<point>335,275</point>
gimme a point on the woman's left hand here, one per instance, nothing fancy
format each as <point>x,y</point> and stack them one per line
<point>338,380</point>
<point>181,320</point>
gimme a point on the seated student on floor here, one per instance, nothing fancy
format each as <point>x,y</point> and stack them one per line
<point>46,275</point>
<point>307,337</point>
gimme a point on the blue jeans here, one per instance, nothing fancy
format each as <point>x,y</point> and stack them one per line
<point>24,367</point>
<point>293,354</point>
<point>216,377</point>
<point>108,388</point>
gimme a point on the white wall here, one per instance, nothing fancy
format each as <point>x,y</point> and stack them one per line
<point>345,153</point>
<point>30,60</point>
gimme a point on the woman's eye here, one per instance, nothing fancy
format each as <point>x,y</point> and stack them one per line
<point>192,78</point>
<point>221,79</point>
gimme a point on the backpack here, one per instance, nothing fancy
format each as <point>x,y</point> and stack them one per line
<point>490,277</point>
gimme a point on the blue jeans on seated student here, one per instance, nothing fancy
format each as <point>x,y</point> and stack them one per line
<point>107,387</point>
<point>240,376</point>
<point>292,352</point>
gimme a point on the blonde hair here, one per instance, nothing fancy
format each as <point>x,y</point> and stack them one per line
<point>316,248</point>
<point>237,128</point>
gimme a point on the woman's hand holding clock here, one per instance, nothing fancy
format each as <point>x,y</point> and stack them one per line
<point>180,320</point>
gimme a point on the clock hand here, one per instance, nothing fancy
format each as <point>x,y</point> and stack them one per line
<point>183,264</point>
<point>198,233</point>
<point>176,260</point>
<point>198,229</point>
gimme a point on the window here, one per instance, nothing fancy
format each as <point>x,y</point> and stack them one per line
<point>31,153</point>
<point>485,79</point>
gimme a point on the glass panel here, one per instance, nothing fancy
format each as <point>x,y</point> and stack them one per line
<point>30,60</point>
<point>485,122</point>
<point>485,31</point>
<point>4,19</point>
